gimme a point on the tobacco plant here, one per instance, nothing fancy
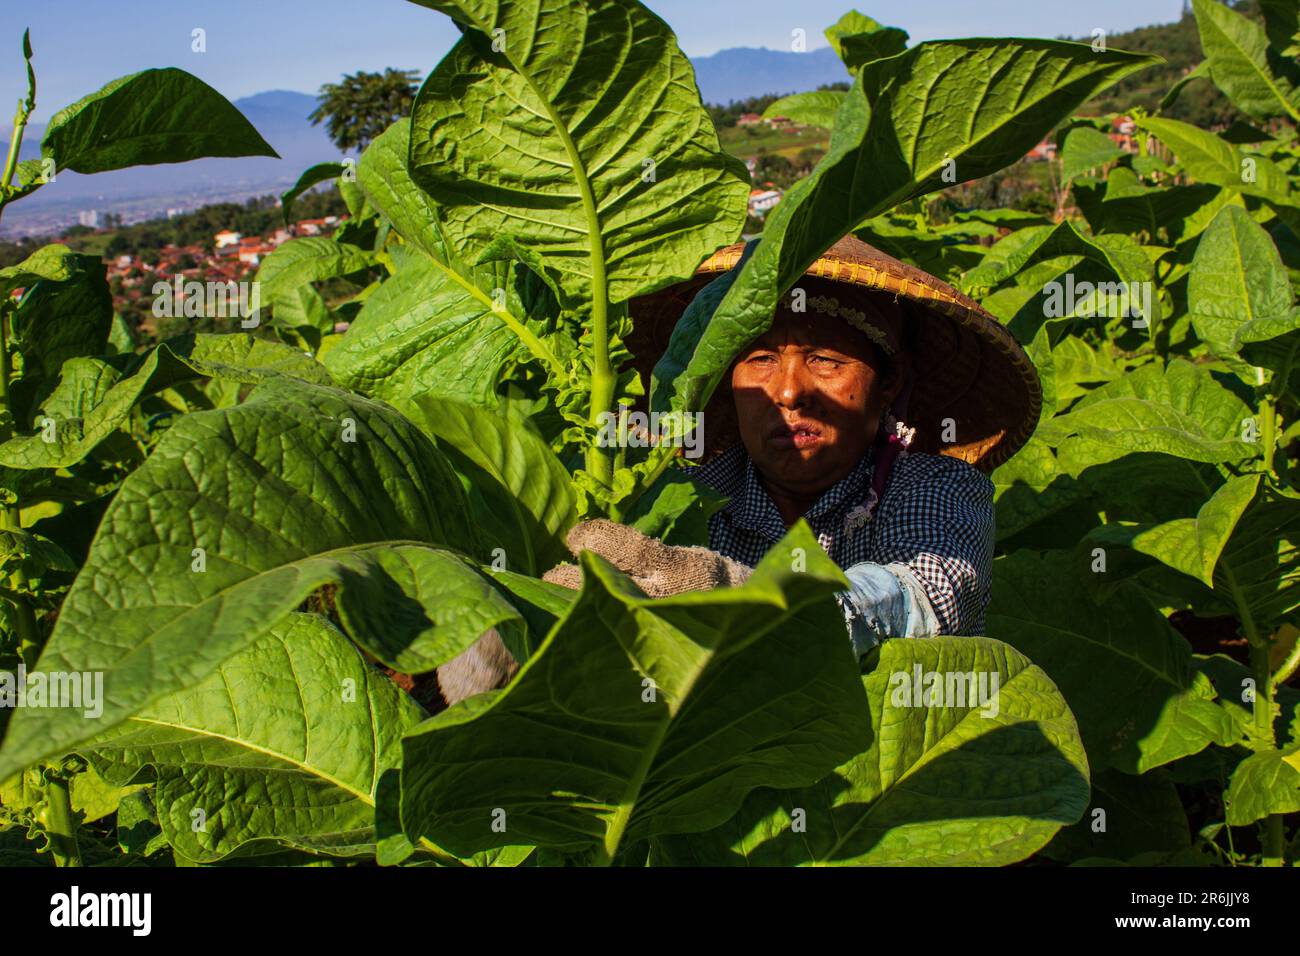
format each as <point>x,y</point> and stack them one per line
<point>267,568</point>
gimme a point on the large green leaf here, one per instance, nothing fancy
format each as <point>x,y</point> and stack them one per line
<point>1212,159</point>
<point>309,259</point>
<point>575,129</point>
<point>906,119</point>
<point>1264,783</point>
<point>1098,653</point>
<point>952,781</point>
<point>1178,213</point>
<point>1238,289</point>
<point>424,331</point>
<point>521,492</point>
<point>155,116</point>
<point>1179,410</point>
<point>312,176</point>
<point>1235,684</point>
<point>1139,814</point>
<point>817,108</point>
<point>1258,574</point>
<point>57,321</point>
<point>1086,148</point>
<point>639,717</point>
<point>299,487</point>
<point>857,39</point>
<point>284,741</point>
<point>1242,65</point>
<point>1193,545</point>
<point>1119,255</point>
<point>1032,487</point>
<point>383,176</point>
<point>54,262</point>
<point>92,399</point>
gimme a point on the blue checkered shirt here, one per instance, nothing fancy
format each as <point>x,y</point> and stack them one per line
<point>936,517</point>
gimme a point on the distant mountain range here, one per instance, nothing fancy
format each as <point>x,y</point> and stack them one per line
<point>146,192</point>
<point>742,72</point>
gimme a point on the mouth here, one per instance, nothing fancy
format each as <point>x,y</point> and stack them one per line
<point>795,435</point>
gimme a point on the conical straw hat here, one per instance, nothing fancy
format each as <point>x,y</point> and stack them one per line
<point>972,381</point>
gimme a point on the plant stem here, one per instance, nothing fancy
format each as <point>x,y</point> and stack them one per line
<point>1261,708</point>
<point>1273,842</point>
<point>61,826</point>
<point>10,518</point>
<point>15,142</point>
<point>1268,431</point>
<point>602,376</point>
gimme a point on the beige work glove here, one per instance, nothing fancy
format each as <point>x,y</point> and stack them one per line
<point>657,568</point>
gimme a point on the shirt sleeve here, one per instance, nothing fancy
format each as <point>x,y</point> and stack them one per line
<point>936,519</point>
<point>885,601</point>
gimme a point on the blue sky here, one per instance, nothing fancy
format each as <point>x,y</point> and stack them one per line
<point>257,45</point>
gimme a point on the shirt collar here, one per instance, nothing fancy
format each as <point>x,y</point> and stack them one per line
<point>754,509</point>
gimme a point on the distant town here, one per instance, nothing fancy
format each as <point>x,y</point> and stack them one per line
<point>226,242</point>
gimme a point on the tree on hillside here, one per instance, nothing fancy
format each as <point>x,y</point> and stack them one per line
<point>363,105</point>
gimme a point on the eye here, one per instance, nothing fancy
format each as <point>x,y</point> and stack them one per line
<point>825,361</point>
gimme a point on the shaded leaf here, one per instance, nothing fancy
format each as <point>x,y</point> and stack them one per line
<point>639,717</point>
<point>1098,653</point>
<point>522,497</point>
<point>884,151</point>
<point>969,782</point>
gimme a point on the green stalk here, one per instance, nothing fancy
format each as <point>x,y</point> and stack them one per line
<point>1268,431</point>
<point>15,141</point>
<point>1273,838</point>
<point>29,646</point>
<point>602,374</point>
<point>28,641</point>
<point>60,825</point>
<point>1273,841</point>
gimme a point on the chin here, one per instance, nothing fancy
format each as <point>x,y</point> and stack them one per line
<point>796,466</point>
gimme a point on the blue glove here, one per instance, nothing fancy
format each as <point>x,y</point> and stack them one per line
<point>885,600</point>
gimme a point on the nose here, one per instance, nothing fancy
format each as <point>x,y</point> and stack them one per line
<point>791,387</point>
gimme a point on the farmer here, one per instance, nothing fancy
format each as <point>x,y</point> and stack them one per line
<point>871,408</point>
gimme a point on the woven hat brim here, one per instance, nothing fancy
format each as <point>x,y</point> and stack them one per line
<point>976,395</point>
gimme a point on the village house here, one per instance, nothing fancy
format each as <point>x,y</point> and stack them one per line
<point>1046,149</point>
<point>1121,133</point>
<point>761,200</point>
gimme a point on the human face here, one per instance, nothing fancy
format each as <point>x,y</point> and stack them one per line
<point>809,395</point>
